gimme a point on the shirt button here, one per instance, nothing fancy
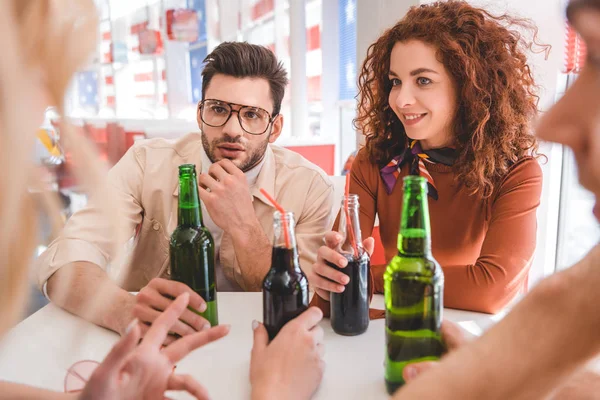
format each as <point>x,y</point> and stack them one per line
<point>156,226</point>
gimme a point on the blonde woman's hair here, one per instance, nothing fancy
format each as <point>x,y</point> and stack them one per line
<point>44,43</point>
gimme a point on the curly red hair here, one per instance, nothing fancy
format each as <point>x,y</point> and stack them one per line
<point>496,92</point>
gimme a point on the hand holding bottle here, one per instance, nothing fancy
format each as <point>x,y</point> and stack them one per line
<point>155,297</point>
<point>453,338</point>
<point>324,278</point>
<point>291,365</point>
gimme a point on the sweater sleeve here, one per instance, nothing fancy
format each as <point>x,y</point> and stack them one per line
<point>502,267</point>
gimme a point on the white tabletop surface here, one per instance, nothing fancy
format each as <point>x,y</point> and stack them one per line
<point>40,349</point>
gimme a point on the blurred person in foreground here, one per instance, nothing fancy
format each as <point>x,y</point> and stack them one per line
<point>541,349</point>
<point>32,34</point>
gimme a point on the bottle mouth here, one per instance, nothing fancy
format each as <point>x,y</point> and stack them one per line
<point>187,169</point>
<point>288,215</point>
<point>414,181</point>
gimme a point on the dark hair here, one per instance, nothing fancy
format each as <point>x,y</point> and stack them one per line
<point>245,60</point>
<point>497,100</point>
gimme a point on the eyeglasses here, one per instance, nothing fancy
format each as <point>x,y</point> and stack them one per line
<point>253,120</point>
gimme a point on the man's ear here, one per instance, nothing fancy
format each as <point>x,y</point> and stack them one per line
<point>276,128</point>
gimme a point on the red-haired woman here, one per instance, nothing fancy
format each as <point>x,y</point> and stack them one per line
<point>447,93</point>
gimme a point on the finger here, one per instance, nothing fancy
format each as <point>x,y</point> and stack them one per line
<point>230,167</point>
<point>164,323</point>
<point>175,289</point>
<point>325,295</point>
<point>151,298</point>
<point>147,314</point>
<point>411,371</point>
<point>332,239</point>
<point>118,354</point>
<point>309,318</point>
<point>330,271</point>
<point>168,340</point>
<point>217,172</point>
<point>321,350</point>
<point>187,344</point>
<point>208,182</point>
<point>207,197</point>
<point>326,254</point>
<point>188,384</point>
<point>369,245</point>
<point>452,335</point>
<point>261,338</point>
<point>318,335</point>
<point>321,283</point>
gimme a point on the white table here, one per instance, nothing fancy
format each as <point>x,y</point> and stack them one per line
<point>40,349</point>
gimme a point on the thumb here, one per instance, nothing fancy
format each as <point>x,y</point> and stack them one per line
<point>118,354</point>
<point>261,337</point>
<point>369,245</point>
<point>411,371</point>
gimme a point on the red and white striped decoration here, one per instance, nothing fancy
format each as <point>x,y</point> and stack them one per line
<point>105,42</point>
<point>145,85</point>
<point>575,51</point>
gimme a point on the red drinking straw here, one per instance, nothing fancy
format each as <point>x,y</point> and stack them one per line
<point>283,219</point>
<point>349,228</point>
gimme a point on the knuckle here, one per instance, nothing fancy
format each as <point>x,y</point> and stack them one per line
<point>144,296</point>
<point>138,310</point>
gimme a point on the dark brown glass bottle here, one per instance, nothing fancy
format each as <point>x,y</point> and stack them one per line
<point>350,309</point>
<point>285,287</point>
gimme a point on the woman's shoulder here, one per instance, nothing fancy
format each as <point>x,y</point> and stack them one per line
<point>363,159</point>
<point>364,170</point>
<point>526,167</point>
<point>525,172</point>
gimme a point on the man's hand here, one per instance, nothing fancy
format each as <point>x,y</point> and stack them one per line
<point>157,296</point>
<point>453,338</point>
<point>291,366</point>
<point>226,195</point>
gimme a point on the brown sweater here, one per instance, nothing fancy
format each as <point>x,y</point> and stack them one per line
<point>485,247</point>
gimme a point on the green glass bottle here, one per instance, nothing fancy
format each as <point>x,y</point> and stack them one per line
<point>192,248</point>
<point>413,290</point>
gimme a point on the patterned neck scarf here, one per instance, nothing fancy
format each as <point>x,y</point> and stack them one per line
<point>417,159</point>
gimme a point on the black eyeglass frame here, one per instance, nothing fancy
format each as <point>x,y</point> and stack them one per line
<point>242,106</point>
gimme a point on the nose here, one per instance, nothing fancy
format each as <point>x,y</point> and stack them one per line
<point>404,97</point>
<point>232,127</point>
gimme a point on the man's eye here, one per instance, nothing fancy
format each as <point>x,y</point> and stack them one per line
<point>250,115</point>
<point>219,110</point>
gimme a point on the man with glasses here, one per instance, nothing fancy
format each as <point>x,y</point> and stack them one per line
<point>239,119</point>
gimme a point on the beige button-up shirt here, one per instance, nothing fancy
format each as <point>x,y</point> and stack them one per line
<point>146,186</point>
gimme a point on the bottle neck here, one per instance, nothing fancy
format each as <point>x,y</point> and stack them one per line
<point>414,238</point>
<point>285,251</point>
<point>189,212</point>
<point>349,226</point>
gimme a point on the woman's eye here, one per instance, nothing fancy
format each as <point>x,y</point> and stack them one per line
<point>423,81</point>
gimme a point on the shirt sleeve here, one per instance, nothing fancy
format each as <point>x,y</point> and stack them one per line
<point>315,221</point>
<point>502,267</point>
<point>88,235</point>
